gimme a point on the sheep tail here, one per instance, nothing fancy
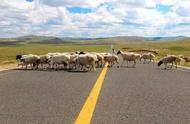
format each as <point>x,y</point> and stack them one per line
<point>160,62</point>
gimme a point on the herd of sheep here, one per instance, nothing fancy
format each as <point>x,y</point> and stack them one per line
<point>89,61</point>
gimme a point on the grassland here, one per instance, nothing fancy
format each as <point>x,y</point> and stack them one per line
<point>8,52</point>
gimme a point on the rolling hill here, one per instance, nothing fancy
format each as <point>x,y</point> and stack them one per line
<point>31,39</point>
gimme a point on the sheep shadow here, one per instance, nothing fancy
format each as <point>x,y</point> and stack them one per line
<point>77,71</point>
<point>165,69</point>
<point>24,69</point>
<point>126,67</point>
<point>53,70</point>
<point>40,69</point>
<point>29,69</point>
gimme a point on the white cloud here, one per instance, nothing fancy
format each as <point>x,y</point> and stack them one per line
<point>82,3</point>
<point>182,8</point>
<point>108,18</point>
<point>167,2</point>
<point>17,4</point>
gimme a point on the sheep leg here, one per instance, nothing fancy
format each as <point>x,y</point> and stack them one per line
<point>26,66</point>
<point>144,61</point>
<point>108,64</point>
<point>55,67</point>
<point>85,68</point>
<point>71,65</point>
<point>52,65</point>
<point>153,60</point>
<point>81,67</point>
<point>149,60</point>
<point>176,64</point>
<point>74,66</point>
<point>134,64</point>
<point>112,63</point>
<point>93,66</point>
<point>42,66</point>
<point>22,66</point>
<point>36,66</point>
<point>100,63</point>
<point>97,64</point>
<point>117,64</point>
<point>66,65</point>
<point>165,66</point>
<point>18,65</point>
<point>88,68</point>
<point>33,66</point>
<point>77,66</point>
<point>171,66</point>
<point>122,63</point>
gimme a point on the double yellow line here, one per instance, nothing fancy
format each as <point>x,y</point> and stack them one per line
<point>87,110</point>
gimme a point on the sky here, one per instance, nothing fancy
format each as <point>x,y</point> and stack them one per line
<point>95,18</point>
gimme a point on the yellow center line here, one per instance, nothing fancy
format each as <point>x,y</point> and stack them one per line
<point>87,110</point>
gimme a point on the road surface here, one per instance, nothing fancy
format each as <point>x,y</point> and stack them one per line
<point>142,95</point>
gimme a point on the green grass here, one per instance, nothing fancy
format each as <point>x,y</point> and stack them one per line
<point>8,53</point>
<point>164,48</point>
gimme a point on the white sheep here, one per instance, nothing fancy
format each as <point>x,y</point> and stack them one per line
<point>72,62</point>
<point>178,58</point>
<point>86,60</point>
<point>57,60</point>
<point>169,59</point>
<point>29,59</point>
<point>103,54</point>
<point>100,58</point>
<point>43,59</point>
<point>138,56</point>
<point>181,56</point>
<point>128,56</point>
<point>53,54</point>
<point>187,59</point>
<point>111,59</point>
<point>147,56</point>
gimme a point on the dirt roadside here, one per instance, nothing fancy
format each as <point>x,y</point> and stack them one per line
<point>8,66</point>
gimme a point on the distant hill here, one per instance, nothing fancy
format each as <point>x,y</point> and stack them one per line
<point>164,39</point>
<point>32,39</point>
<point>108,40</point>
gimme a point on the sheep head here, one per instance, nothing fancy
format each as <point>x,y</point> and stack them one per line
<point>18,57</point>
<point>159,63</point>
<point>81,52</point>
<point>119,52</point>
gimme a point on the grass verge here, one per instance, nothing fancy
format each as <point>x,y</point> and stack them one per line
<point>8,53</point>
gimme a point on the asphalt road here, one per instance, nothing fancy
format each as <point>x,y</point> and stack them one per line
<point>142,95</point>
<point>43,97</point>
